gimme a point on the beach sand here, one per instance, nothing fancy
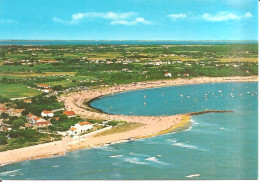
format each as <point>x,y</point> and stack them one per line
<point>151,125</point>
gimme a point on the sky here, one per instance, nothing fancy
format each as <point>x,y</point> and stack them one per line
<point>129,19</point>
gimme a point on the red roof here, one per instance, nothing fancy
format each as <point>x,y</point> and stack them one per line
<point>37,118</point>
<point>84,123</point>
<point>47,112</point>
<point>2,108</point>
<point>69,113</point>
<point>30,115</point>
<point>43,85</point>
<point>43,122</point>
<point>18,110</point>
<point>73,129</point>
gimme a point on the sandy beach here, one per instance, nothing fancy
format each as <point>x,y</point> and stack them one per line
<point>150,125</point>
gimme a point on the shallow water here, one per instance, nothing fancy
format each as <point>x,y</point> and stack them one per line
<point>217,146</point>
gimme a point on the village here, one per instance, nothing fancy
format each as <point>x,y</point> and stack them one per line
<point>52,124</point>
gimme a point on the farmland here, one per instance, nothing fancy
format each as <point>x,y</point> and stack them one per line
<point>99,65</point>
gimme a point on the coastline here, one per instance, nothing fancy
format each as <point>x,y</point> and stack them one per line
<point>151,125</point>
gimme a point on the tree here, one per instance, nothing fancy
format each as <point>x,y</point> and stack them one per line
<point>57,88</point>
<point>17,123</point>
<point>3,140</point>
<point>4,80</point>
<point>63,117</point>
<point>4,115</point>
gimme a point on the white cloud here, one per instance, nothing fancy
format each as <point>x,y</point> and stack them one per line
<point>123,22</point>
<point>134,22</point>
<point>225,16</point>
<point>108,15</point>
<point>248,15</point>
<point>177,16</point>
<point>115,18</point>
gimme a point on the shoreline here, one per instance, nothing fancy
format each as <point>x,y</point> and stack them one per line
<point>151,125</point>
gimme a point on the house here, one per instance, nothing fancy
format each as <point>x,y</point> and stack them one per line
<point>49,90</point>
<point>80,128</point>
<point>37,119</point>
<point>72,131</point>
<point>15,112</point>
<point>57,118</point>
<point>167,74</point>
<point>186,74</point>
<point>43,124</point>
<point>70,114</point>
<point>43,86</point>
<point>28,101</point>
<point>27,125</point>
<point>46,113</point>
<point>29,117</point>
<point>2,109</point>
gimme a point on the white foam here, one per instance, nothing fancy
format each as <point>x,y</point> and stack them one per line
<point>115,156</point>
<point>9,173</point>
<point>185,145</point>
<point>135,154</point>
<point>155,160</point>
<point>55,166</point>
<point>192,175</point>
<point>106,148</point>
<point>134,160</point>
<point>172,140</point>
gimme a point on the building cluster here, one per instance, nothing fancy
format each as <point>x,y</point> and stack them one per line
<point>11,111</point>
<point>45,88</point>
<point>40,122</point>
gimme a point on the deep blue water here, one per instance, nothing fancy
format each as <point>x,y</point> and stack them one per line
<point>217,146</point>
<point>97,42</point>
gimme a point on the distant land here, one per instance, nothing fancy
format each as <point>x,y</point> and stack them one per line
<point>132,42</point>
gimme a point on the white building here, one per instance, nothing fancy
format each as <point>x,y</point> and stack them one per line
<point>80,128</point>
<point>168,75</point>
<point>47,113</point>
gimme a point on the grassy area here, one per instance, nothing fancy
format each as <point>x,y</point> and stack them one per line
<point>120,128</point>
<point>64,83</point>
<point>22,74</point>
<point>16,90</point>
<point>15,144</point>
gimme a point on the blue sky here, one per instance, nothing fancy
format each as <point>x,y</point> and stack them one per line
<point>129,19</point>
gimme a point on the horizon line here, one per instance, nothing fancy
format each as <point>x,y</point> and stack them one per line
<point>115,40</point>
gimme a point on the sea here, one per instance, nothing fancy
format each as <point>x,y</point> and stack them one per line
<point>216,146</point>
<point>122,42</point>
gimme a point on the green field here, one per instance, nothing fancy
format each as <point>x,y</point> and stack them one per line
<point>16,91</point>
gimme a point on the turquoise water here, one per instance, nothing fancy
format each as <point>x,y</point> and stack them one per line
<point>217,146</point>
